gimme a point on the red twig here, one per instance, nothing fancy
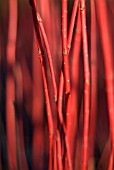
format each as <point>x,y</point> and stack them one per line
<point>61,79</point>
<point>64,47</point>
<point>86,86</point>
<point>72,122</point>
<point>59,152</point>
<point>93,79</point>
<point>49,112</point>
<point>55,155</point>
<point>60,98</point>
<point>72,22</point>
<point>110,167</point>
<point>48,54</point>
<point>37,114</point>
<point>39,25</point>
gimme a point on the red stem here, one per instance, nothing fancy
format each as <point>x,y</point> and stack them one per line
<point>64,47</point>
<point>93,79</point>
<point>72,117</point>
<point>72,22</point>
<point>60,98</point>
<point>86,86</point>
<point>59,152</point>
<point>110,167</point>
<point>10,86</point>
<point>49,113</point>
<point>48,54</point>
<point>39,25</point>
<point>37,114</point>
<point>55,155</point>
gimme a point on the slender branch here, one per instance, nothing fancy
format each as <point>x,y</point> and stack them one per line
<point>86,86</point>
<point>49,112</point>
<point>64,47</point>
<point>110,167</point>
<point>60,98</point>
<point>59,152</point>
<point>72,22</point>
<point>39,26</point>
<point>75,101</point>
<point>37,113</point>
<point>93,54</point>
<point>55,155</point>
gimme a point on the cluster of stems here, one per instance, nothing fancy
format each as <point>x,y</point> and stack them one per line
<point>67,78</point>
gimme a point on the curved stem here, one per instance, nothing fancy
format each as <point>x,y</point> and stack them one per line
<point>38,25</point>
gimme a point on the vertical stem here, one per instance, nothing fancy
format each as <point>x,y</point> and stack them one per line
<point>110,167</point>
<point>10,86</point>
<point>49,112</point>
<point>64,47</point>
<point>55,155</point>
<point>59,152</point>
<point>72,125</point>
<point>93,79</point>
<point>60,98</point>
<point>86,86</point>
<point>37,114</point>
